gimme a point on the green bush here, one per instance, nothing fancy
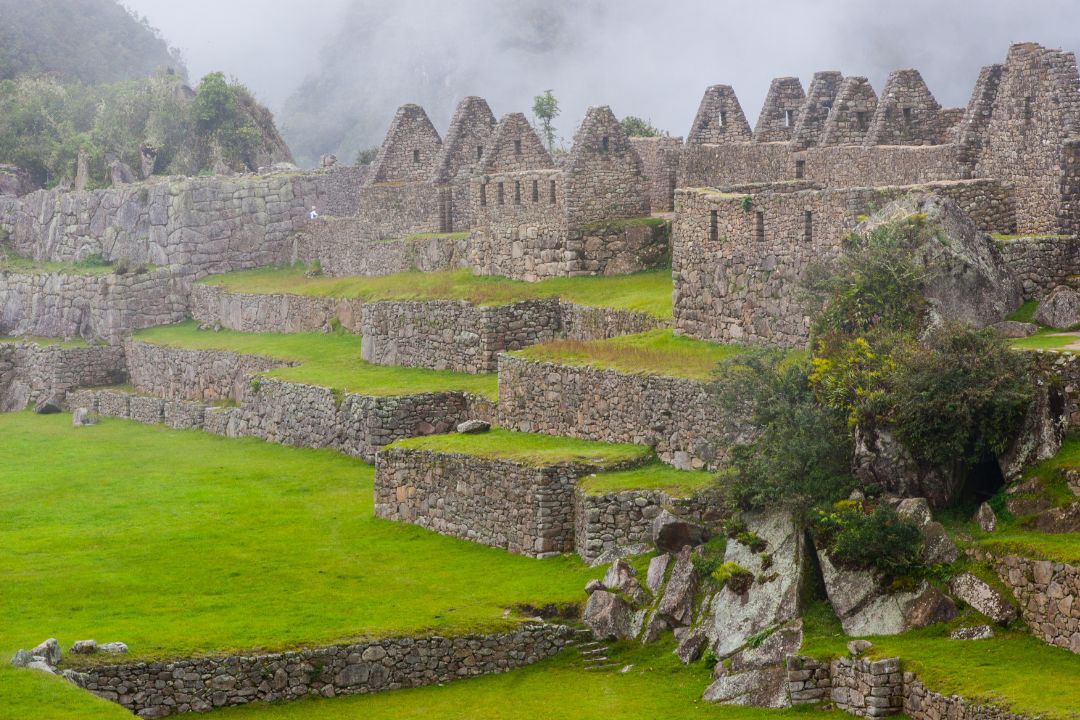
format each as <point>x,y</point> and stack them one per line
<point>733,576</point>
<point>879,540</point>
<point>636,127</point>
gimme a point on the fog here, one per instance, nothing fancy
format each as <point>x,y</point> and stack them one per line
<point>362,58</point>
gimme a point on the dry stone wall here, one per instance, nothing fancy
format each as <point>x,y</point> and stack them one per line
<point>660,164</point>
<point>1040,264</point>
<point>340,190</point>
<point>205,225</point>
<point>521,509</point>
<point>30,372</point>
<point>581,322</point>
<point>677,416</point>
<point>215,306</point>
<point>398,209</point>
<point>160,689</point>
<point>1049,596</point>
<point>849,118</point>
<point>780,113</point>
<point>186,374</point>
<point>91,306</point>
<point>341,248</point>
<point>736,262</point>
<point>605,178</point>
<point>454,335</point>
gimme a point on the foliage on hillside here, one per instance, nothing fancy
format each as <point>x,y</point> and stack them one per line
<point>45,124</point>
<point>89,41</point>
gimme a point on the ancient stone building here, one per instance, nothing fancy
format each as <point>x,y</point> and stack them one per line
<point>470,129</point>
<point>907,113</point>
<point>819,101</point>
<point>780,113</point>
<point>849,119</point>
<point>719,118</point>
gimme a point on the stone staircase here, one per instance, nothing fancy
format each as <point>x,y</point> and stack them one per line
<point>594,656</point>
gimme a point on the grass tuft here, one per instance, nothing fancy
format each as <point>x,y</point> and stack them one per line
<point>654,476</point>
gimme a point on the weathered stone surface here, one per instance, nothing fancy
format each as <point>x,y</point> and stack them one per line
<point>915,509</point>
<point>50,405</point>
<point>1049,598</point>
<point>654,578</point>
<point>41,666</point>
<point>473,427</point>
<point>938,547</point>
<point>49,651</point>
<point>1043,431</point>
<point>670,534</point>
<point>1014,329</point>
<point>858,647</point>
<point>608,616</point>
<point>81,417</point>
<point>691,645</point>
<point>985,518</point>
<point>621,577</point>
<point>773,598</point>
<point>881,460</point>
<point>114,648</point>
<point>1059,309</point>
<point>983,597</point>
<point>84,647</point>
<point>976,632</point>
<point>21,658</point>
<point>677,603</point>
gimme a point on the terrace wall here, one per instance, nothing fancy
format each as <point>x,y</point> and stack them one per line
<point>660,163</point>
<point>160,689</point>
<point>615,520</point>
<point>342,248</point>
<point>676,416</point>
<point>30,372</point>
<point>213,306</point>
<point>736,281</point>
<point>205,225</point>
<point>521,509</point>
<point>398,209</point>
<point>1049,596</point>
<point>186,374</point>
<point>1042,263</point>
<point>91,306</point>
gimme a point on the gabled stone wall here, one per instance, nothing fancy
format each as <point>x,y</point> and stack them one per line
<point>849,118</point>
<point>819,101</point>
<point>409,150</point>
<point>907,113</point>
<point>660,164</point>
<point>605,179</point>
<point>780,113</point>
<point>719,118</point>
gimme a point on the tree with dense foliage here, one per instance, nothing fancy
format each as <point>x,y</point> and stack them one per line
<point>546,109</point>
<point>636,127</point>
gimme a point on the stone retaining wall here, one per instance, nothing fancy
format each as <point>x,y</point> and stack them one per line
<point>454,335</point>
<point>1063,369</point>
<point>1042,263</point>
<point>581,322</point>
<point>677,416</point>
<point>214,306</point>
<point>186,374</point>
<point>879,688</point>
<point>342,248</point>
<point>30,372</point>
<point>160,689</point>
<point>91,306</point>
<point>521,509</point>
<point>1049,595</point>
<point>615,520</point>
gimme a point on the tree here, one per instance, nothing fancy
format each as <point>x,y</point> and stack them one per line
<point>545,110</point>
<point>636,127</point>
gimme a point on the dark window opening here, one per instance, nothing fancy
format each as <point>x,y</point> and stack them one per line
<point>800,169</point>
<point>759,226</point>
<point>712,226</point>
<point>704,124</point>
<point>479,152</point>
<point>983,481</point>
<point>604,144</point>
<point>808,226</point>
<point>552,192</point>
<point>1029,109</point>
<point>517,147</point>
<point>517,193</point>
<point>860,119</point>
<point>416,156</point>
<point>501,194</point>
<point>827,104</point>
<point>536,191</point>
<point>907,115</point>
<point>483,195</point>
<point>789,118</point>
<point>723,118</point>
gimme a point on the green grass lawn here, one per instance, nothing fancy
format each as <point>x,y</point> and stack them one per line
<point>1024,313</point>
<point>1045,339</point>
<point>33,694</point>
<point>647,292</point>
<point>658,352</point>
<point>654,476</point>
<point>37,339</point>
<point>10,262</point>
<point>327,359</point>
<point>527,448</point>
<point>1013,669</point>
<point>655,686</point>
<point>180,543</point>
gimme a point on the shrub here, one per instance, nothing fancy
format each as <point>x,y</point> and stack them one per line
<point>734,576</point>
<point>879,540</point>
<point>636,127</point>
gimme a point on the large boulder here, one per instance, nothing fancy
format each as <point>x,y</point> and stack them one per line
<point>773,597</point>
<point>1059,309</point>
<point>965,277</point>
<point>1042,433</point>
<point>938,547</point>
<point>49,651</point>
<point>677,604</point>
<point>983,597</point>
<point>670,534</point>
<point>15,181</point>
<point>621,578</point>
<point>866,607</point>
<point>757,676</point>
<point>608,616</point>
<point>880,460</point>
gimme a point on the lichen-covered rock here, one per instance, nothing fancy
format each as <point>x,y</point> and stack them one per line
<point>691,645</point>
<point>677,603</point>
<point>983,597</point>
<point>21,658</point>
<point>608,616</point>
<point>976,632</point>
<point>985,518</point>
<point>473,427</point>
<point>84,647</point>
<point>114,648</point>
<point>938,547</point>
<point>49,651</point>
<point>670,534</point>
<point>621,577</point>
<point>82,417</point>
<point>1014,329</point>
<point>654,578</point>
<point>880,460</point>
<point>1042,433</point>
<point>1059,309</point>
<point>773,597</point>
<point>757,676</point>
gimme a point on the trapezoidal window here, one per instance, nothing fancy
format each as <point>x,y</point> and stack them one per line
<point>517,192</point>
<point>800,169</point>
<point>483,194</point>
<point>552,192</point>
<point>723,118</point>
<point>416,156</point>
<point>1029,109</point>
<point>517,147</point>
<point>712,226</point>
<point>808,226</point>
<point>907,115</point>
<point>536,191</point>
<point>604,144</point>
<point>789,118</point>
<point>860,119</point>
<point>479,152</point>
<point>759,226</point>
<point>501,194</point>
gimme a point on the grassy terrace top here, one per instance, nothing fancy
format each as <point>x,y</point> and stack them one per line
<point>647,292</point>
<point>38,340</point>
<point>654,476</point>
<point>18,264</point>
<point>527,448</point>
<point>328,360</point>
<point>180,543</point>
<point>658,352</point>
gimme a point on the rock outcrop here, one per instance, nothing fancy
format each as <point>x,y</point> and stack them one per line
<point>1059,309</point>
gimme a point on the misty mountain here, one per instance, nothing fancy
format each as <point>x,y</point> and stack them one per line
<point>90,41</point>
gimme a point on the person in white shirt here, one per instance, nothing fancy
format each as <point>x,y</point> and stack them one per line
<point>314,213</point>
